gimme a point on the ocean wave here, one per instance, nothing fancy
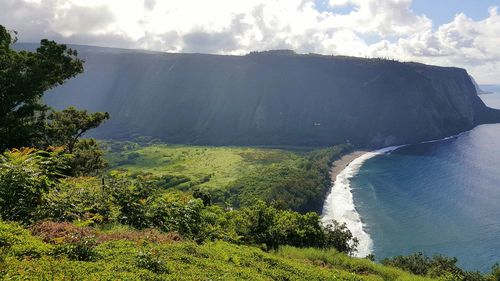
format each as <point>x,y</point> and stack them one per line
<point>339,204</point>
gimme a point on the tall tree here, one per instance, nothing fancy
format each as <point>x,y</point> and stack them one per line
<point>64,128</point>
<point>24,77</point>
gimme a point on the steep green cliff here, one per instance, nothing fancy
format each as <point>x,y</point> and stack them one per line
<point>272,98</point>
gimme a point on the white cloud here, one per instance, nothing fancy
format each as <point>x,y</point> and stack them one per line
<point>241,26</point>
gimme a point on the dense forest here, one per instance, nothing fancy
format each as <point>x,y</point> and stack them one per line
<point>72,208</point>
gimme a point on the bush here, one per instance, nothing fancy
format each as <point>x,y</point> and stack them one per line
<point>170,214</point>
<point>17,242</point>
<point>262,224</point>
<point>131,197</point>
<point>441,267</point>
<point>80,250</point>
<point>62,232</point>
<point>149,260</point>
<point>87,159</point>
<point>78,199</point>
<point>25,175</point>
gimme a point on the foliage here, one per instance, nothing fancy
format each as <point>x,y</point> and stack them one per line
<point>17,242</point>
<point>81,250</point>
<point>25,76</point>
<point>151,261</point>
<point>82,200</point>
<point>262,224</point>
<point>170,214</point>
<point>88,159</point>
<point>332,258</point>
<point>436,267</point>
<point>25,176</point>
<point>64,128</point>
<point>232,176</point>
<point>64,232</point>
<point>131,198</point>
<point>128,260</point>
<point>495,273</point>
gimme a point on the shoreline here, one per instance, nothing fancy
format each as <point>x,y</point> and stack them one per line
<point>339,203</point>
<point>340,164</point>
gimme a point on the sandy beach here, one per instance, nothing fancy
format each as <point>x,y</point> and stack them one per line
<point>340,164</point>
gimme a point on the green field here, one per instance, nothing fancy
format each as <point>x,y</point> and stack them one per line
<point>212,167</point>
<point>296,178</point>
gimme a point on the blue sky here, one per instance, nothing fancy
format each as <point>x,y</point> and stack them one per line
<point>443,11</point>
<point>439,11</point>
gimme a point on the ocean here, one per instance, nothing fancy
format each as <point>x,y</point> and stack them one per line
<point>438,197</point>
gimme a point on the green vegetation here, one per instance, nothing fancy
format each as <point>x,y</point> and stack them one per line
<point>142,256</point>
<point>233,176</point>
<point>25,76</point>
<point>25,121</point>
<point>438,267</point>
<point>162,212</point>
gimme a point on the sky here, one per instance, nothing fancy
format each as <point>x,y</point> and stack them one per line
<point>462,33</point>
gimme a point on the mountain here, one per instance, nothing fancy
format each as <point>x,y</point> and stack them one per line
<point>478,89</point>
<point>271,98</point>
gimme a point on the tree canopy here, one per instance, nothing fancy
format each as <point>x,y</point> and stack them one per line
<point>25,77</point>
<point>65,127</point>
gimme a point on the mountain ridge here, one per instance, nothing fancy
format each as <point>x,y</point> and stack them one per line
<point>272,98</point>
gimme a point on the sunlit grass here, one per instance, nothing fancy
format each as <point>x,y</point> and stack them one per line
<point>214,166</point>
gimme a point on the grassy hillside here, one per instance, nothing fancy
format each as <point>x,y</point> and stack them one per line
<point>125,254</point>
<point>295,178</point>
<point>210,167</point>
<point>123,227</point>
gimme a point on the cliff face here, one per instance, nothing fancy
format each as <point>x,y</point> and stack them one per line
<point>272,98</point>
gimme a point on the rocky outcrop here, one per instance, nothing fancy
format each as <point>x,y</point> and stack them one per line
<point>272,98</point>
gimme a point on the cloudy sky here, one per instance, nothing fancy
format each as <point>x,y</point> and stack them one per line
<point>464,33</point>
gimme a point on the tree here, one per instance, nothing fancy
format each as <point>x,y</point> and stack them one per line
<point>25,76</point>
<point>64,128</point>
<point>87,159</point>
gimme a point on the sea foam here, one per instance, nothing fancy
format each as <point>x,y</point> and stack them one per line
<point>339,204</point>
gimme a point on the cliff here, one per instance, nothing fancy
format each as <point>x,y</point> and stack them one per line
<point>272,98</point>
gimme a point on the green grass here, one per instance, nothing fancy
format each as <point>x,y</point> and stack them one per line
<point>125,259</point>
<point>212,167</point>
<point>292,178</point>
<point>332,258</point>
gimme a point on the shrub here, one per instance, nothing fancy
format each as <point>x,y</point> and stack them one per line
<point>170,214</point>
<point>62,232</point>
<point>146,235</point>
<point>131,197</point>
<point>80,250</point>
<point>25,175</point>
<point>87,159</point>
<point>78,199</point>
<point>438,267</point>
<point>17,242</point>
<point>262,224</point>
<point>151,261</point>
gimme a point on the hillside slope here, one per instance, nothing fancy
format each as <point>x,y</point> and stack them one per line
<point>272,98</point>
<point>132,255</point>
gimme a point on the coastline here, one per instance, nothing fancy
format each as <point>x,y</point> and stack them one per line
<point>339,204</point>
<point>340,164</point>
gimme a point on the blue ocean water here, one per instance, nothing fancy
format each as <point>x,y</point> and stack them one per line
<point>441,197</point>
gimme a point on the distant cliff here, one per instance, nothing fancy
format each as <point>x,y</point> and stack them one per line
<point>478,89</point>
<point>272,98</point>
